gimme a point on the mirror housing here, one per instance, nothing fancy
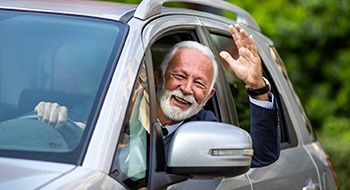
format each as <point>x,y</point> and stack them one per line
<point>203,149</point>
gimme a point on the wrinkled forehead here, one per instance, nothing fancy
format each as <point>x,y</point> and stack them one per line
<point>193,61</point>
<point>190,56</point>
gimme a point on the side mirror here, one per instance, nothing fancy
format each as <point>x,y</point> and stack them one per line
<point>209,150</point>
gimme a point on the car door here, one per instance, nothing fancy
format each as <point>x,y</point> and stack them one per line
<point>159,36</point>
<point>138,158</point>
<point>299,169</point>
<point>294,169</point>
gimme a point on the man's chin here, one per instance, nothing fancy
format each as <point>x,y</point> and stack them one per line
<point>174,110</point>
<point>182,115</point>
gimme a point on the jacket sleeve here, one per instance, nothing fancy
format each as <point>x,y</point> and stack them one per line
<point>265,133</point>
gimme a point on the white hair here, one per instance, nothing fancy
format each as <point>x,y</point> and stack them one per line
<point>196,46</point>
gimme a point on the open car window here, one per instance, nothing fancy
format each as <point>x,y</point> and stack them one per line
<point>241,100</point>
<point>164,43</point>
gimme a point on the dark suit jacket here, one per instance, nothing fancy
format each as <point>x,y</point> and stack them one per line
<point>264,131</point>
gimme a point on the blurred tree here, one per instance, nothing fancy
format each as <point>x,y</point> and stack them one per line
<point>313,39</point>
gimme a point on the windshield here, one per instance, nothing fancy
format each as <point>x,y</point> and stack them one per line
<point>52,58</point>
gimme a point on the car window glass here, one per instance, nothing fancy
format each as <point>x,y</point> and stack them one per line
<point>53,58</point>
<point>130,162</point>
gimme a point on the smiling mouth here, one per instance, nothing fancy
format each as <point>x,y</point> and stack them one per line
<point>181,100</point>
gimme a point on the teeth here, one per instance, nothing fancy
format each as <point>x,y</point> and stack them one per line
<point>181,100</point>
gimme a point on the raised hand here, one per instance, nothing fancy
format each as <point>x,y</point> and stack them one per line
<point>247,66</point>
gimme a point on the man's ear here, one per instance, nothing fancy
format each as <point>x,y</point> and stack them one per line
<point>211,93</point>
<point>157,76</point>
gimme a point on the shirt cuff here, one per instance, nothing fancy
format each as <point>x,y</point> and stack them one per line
<point>264,104</point>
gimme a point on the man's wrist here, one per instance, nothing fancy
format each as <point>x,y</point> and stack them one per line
<point>269,104</point>
<point>263,97</point>
<point>260,91</point>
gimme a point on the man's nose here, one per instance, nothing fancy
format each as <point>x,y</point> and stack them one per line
<point>186,87</point>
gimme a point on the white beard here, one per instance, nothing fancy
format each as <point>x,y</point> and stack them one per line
<point>173,112</point>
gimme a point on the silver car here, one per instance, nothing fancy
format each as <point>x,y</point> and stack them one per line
<point>98,60</point>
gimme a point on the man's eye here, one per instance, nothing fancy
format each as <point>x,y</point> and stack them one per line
<point>200,85</point>
<point>180,76</point>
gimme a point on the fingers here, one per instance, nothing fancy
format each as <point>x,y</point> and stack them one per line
<point>48,109</point>
<point>237,66</point>
<point>246,45</point>
<point>52,113</point>
<point>241,37</point>
<point>59,117</point>
<point>253,47</point>
<point>247,66</point>
<point>227,57</point>
<point>39,109</point>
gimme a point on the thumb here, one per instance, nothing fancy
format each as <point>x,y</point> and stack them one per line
<point>227,57</point>
<point>230,60</point>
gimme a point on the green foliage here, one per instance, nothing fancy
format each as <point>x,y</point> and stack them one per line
<point>311,37</point>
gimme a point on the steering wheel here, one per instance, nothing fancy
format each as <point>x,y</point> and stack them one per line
<point>70,133</point>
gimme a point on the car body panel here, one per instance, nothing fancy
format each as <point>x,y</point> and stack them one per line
<point>287,172</point>
<point>108,127</point>
<point>29,174</point>
<point>83,178</point>
<point>89,8</point>
<point>302,163</point>
<point>241,182</point>
<point>323,165</point>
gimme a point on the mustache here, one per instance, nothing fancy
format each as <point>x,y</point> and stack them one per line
<point>160,91</point>
<point>179,95</point>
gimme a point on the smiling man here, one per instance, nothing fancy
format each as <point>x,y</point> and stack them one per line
<point>185,82</point>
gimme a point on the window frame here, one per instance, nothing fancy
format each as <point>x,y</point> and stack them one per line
<point>157,171</point>
<point>114,173</point>
<point>213,103</point>
<point>289,138</point>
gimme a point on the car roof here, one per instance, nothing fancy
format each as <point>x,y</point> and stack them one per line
<point>108,10</point>
<point>121,11</point>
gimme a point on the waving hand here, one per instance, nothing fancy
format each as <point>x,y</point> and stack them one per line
<point>247,66</point>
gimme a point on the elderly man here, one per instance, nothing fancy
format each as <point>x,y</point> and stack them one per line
<point>185,82</point>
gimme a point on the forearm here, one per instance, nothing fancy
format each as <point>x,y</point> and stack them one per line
<point>265,133</point>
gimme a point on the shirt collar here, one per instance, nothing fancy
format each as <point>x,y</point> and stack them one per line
<point>171,128</point>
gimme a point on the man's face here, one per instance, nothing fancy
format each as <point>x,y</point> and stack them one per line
<point>185,88</point>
